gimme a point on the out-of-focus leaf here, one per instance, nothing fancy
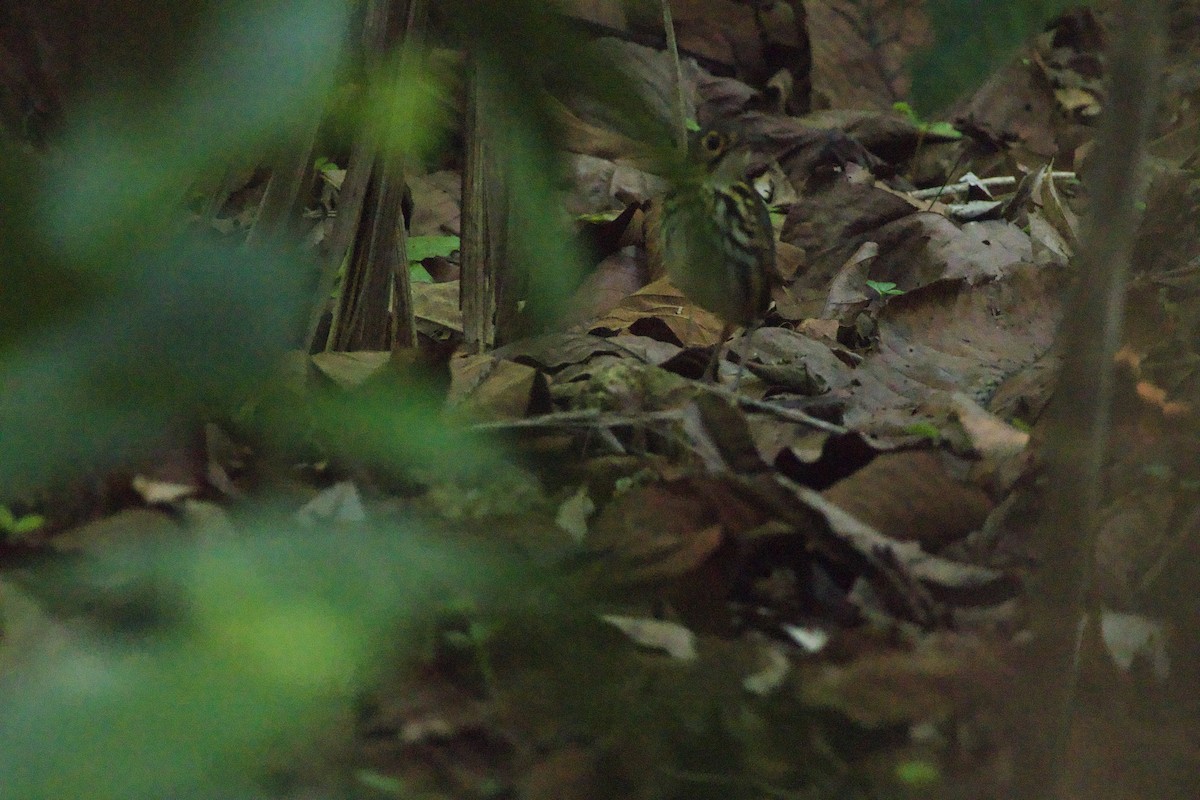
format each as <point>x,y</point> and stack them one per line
<point>190,321</point>
<point>400,428</point>
<point>137,324</point>
<point>276,633</point>
<point>27,524</point>
<point>971,40</point>
<point>126,167</point>
<point>34,287</point>
<point>514,43</point>
<point>407,107</point>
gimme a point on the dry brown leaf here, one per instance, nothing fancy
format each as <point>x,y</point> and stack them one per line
<point>953,337</point>
<point>438,303</point>
<point>789,260</point>
<point>662,532</point>
<point>436,208</point>
<point>505,393</point>
<point>829,222</point>
<point>1015,105</point>
<point>861,49</point>
<point>350,370</point>
<point>911,496</point>
<point>925,247</point>
<point>896,687</point>
<point>467,371</point>
<point>721,30</point>
<point>614,279</point>
<point>659,301</point>
<point>591,140</point>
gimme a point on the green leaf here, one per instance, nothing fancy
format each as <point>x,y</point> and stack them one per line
<point>907,110</point>
<point>926,429</point>
<point>420,248</point>
<point>418,274</point>
<point>918,773</point>
<point>885,288</point>
<point>27,524</point>
<point>7,521</point>
<point>599,216</point>
<point>269,641</point>
<point>944,129</point>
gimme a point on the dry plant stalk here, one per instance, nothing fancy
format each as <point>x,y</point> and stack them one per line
<point>482,223</point>
<point>1079,417</point>
<point>369,226</point>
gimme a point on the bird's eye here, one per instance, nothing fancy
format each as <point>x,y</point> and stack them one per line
<point>712,141</point>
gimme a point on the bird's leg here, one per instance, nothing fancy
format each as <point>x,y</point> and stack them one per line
<point>749,335</point>
<point>712,371</point>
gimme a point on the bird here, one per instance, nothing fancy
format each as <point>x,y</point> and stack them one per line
<point>715,236</point>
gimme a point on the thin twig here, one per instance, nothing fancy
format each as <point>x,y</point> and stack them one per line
<point>580,419</point>
<point>596,419</point>
<point>996,182</point>
<point>775,410</point>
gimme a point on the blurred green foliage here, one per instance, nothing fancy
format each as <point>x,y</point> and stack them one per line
<point>115,319</point>
<point>519,47</point>
<point>119,324</point>
<point>972,38</point>
<point>269,637</point>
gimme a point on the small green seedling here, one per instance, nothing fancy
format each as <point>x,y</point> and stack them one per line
<point>925,429</point>
<point>17,528</point>
<point>599,217</point>
<point>943,129</point>
<point>885,288</point>
<point>918,774</point>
